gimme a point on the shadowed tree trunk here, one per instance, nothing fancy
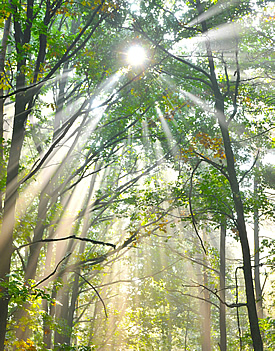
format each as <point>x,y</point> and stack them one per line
<point>222,289</point>
<point>234,183</point>
<point>6,248</point>
<point>3,51</point>
<point>258,288</point>
<point>206,306</point>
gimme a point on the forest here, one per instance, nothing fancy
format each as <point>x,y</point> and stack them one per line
<point>137,186</point>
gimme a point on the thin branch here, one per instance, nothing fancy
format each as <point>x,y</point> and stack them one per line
<point>196,68</point>
<point>52,273</point>
<point>189,77</point>
<point>254,136</point>
<point>193,260</point>
<point>21,259</point>
<point>190,206</point>
<point>227,77</point>
<point>254,163</point>
<point>100,298</point>
<point>96,242</point>
<point>212,163</point>
<point>194,29</point>
<point>231,305</point>
<point>199,298</point>
<point>235,106</point>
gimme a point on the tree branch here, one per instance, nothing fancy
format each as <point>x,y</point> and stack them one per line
<point>52,273</point>
<point>96,242</point>
<point>190,206</point>
<point>237,83</point>
<point>254,163</point>
<point>100,298</point>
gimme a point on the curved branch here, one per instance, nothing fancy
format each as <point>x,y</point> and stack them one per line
<point>254,163</point>
<point>214,164</point>
<point>196,68</point>
<point>96,242</point>
<point>237,83</point>
<point>52,273</point>
<point>190,206</point>
<point>100,298</point>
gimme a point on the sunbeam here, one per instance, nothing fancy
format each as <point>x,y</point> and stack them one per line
<point>213,10</point>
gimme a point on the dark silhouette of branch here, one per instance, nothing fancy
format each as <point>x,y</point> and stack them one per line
<point>137,27</point>
<point>254,163</point>
<point>229,305</point>
<point>96,242</point>
<point>190,206</point>
<point>235,106</point>
<point>212,163</point>
<point>100,298</point>
<point>52,273</point>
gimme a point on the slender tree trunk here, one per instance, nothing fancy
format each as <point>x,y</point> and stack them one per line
<point>234,185</point>
<point>222,289</point>
<point>61,314</point>
<point>23,332</point>
<point>6,248</point>
<point>59,116</point>
<point>48,307</point>
<point>47,332</point>
<point>186,331</point>
<point>241,226</point>
<point>258,288</point>
<point>206,307</point>
<point>206,316</point>
<point>4,44</point>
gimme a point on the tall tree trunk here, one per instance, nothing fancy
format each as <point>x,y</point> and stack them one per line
<point>241,226</point>
<point>222,289</point>
<point>61,314</point>
<point>6,248</point>
<point>234,184</point>
<point>206,316</point>
<point>258,288</point>
<point>23,332</point>
<point>206,307</point>
<point>18,133</point>
<point>3,51</point>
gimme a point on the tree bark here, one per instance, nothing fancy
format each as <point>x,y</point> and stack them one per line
<point>222,289</point>
<point>206,307</point>
<point>6,248</point>
<point>258,289</point>
<point>241,227</point>
<point>3,51</point>
<point>234,185</point>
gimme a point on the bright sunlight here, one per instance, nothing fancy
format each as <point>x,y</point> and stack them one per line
<point>136,55</point>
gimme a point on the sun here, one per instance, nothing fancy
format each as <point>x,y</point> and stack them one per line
<point>136,55</point>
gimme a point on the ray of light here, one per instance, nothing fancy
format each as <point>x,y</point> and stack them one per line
<point>55,161</point>
<point>213,11</point>
<point>167,132</point>
<point>221,38</point>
